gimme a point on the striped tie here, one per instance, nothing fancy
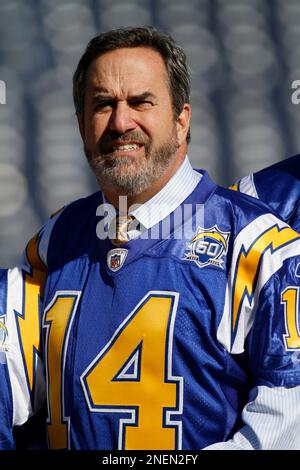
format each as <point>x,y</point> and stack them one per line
<point>122,223</point>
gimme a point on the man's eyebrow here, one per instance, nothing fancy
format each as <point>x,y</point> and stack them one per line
<point>98,96</point>
<point>104,95</point>
<point>142,96</point>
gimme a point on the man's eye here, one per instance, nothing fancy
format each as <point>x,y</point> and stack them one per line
<point>143,104</point>
<point>103,106</point>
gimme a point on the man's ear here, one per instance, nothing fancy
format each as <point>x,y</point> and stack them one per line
<point>80,122</point>
<point>183,123</point>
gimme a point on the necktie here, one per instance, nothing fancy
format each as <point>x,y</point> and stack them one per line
<point>122,224</point>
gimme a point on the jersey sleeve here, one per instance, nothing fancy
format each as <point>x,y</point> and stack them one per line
<point>6,407</point>
<point>22,381</point>
<point>35,255</point>
<point>6,434</point>
<point>21,292</point>
<point>279,187</point>
<point>261,320</point>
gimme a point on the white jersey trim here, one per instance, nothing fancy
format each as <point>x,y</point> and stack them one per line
<point>20,394</point>
<point>272,421</point>
<point>247,186</point>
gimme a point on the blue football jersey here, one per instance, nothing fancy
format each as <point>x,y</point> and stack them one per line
<point>279,187</point>
<point>184,338</point>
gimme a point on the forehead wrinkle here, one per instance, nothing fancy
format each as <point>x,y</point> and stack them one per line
<point>100,91</point>
<point>120,86</point>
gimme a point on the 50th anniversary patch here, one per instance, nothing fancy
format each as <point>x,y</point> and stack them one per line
<point>208,246</point>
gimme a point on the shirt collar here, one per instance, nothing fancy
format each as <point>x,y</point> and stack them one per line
<point>178,188</point>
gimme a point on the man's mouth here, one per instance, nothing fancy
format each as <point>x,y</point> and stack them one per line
<point>125,147</point>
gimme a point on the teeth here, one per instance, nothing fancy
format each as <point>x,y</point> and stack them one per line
<point>126,147</point>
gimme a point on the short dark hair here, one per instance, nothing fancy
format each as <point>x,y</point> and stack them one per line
<point>173,56</point>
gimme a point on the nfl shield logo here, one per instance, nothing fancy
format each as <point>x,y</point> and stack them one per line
<point>116,258</point>
<point>115,261</point>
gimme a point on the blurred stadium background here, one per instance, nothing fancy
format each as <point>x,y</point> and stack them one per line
<point>243,55</point>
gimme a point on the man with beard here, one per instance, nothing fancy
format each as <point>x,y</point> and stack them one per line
<point>169,313</point>
<point>279,187</point>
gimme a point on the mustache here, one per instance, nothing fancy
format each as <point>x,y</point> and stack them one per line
<point>112,138</point>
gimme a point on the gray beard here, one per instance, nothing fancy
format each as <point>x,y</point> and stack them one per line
<point>127,174</point>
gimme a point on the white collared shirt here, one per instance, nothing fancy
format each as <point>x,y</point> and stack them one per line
<point>177,189</point>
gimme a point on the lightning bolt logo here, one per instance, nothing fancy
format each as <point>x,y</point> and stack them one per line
<point>248,266</point>
<point>29,322</point>
<point>215,235</point>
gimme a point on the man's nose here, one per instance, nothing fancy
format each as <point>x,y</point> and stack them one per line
<point>121,119</point>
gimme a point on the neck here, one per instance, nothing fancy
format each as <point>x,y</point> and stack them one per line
<point>113,195</point>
